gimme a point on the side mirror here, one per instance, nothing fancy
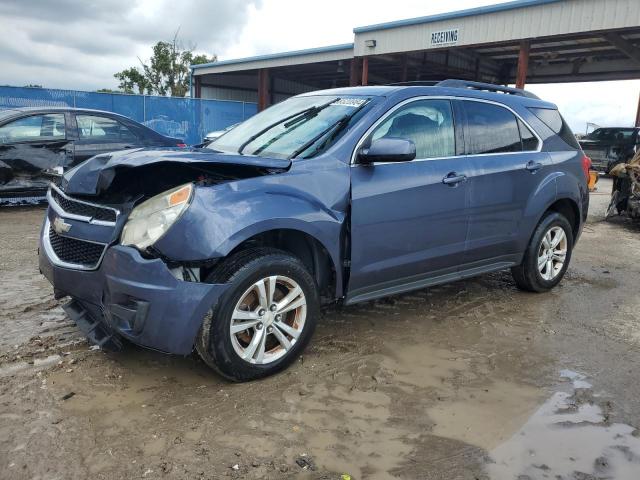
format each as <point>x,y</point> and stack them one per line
<point>388,150</point>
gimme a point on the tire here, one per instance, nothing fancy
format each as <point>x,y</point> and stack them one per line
<point>249,274</point>
<point>528,276</point>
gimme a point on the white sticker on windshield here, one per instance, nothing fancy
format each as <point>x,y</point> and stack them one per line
<point>350,102</point>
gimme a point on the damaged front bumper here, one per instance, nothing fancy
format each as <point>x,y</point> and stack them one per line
<point>128,296</point>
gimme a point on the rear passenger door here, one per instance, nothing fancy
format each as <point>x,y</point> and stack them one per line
<point>505,168</point>
<point>101,134</point>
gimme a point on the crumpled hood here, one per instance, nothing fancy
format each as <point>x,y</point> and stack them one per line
<point>96,174</point>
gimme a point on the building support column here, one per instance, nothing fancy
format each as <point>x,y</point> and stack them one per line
<point>523,64</point>
<point>638,113</point>
<point>476,71</point>
<point>354,72</point>
<point>197,87</point>
<point>405,68</point>
<point>263,89</point>
<point>365,70</point>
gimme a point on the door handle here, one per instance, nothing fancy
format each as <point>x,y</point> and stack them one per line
<point>452,178</point>
<point>533,166</point>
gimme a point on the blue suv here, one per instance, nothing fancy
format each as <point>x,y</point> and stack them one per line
<point>343,195</point>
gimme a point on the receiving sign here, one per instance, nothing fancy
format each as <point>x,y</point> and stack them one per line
<point>444,37</point>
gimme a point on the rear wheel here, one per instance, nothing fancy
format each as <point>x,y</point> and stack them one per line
<point>547,256</point>
<point>264,320</point>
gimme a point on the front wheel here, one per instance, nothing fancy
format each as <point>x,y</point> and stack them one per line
<point>264,320</point>
<point>547,256</point>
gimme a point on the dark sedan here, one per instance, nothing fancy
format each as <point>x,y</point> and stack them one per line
<point>38,144</point>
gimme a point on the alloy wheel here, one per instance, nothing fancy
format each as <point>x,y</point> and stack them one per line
<point>552,253</point>
<point>268,319</point>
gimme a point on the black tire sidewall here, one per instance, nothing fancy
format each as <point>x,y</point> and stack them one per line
<point>219,345</point>
<point>552,220</point>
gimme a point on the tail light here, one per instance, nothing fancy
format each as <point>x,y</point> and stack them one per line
<point>181,145</point>
<point>586,166</point>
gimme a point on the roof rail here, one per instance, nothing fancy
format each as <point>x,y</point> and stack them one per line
<point>415,83</point>
<point>490,87</point>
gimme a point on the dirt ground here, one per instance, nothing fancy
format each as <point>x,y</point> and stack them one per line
<point>472,380</point>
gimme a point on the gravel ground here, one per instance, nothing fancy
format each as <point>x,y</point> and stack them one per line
<point>472,380</point>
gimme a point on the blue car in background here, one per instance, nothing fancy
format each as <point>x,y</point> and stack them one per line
<point>343,195</point>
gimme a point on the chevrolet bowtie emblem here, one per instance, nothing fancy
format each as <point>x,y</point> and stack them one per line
<point>60,226</point>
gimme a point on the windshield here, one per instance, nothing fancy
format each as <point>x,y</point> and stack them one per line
<point>611,134</point>
<point>298,127</point>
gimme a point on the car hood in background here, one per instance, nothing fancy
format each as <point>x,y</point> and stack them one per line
<point>602,143</point>
<point>96,174</point>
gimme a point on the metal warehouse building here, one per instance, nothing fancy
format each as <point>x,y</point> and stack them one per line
<point>534,41</point>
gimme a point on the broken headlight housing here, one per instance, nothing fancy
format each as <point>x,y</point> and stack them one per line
<point>152,218</point>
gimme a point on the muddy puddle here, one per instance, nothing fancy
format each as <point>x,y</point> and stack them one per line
<point>372,418</point>
<point>570,436</point>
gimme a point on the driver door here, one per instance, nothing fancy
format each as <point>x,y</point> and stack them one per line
<point>409,219</point>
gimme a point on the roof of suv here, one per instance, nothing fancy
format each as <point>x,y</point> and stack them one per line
<point>501,94</point>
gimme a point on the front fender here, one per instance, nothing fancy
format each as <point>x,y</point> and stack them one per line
<point>221,217</point>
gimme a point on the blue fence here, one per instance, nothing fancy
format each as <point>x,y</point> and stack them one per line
<point>187,118</point>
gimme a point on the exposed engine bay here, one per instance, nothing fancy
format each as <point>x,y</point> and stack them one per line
<point>117,179</point>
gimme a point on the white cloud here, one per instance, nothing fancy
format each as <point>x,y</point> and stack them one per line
<point>81,44</point>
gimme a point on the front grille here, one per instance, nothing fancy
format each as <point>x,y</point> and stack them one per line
<point>74,251</point>
<point>83,209</point>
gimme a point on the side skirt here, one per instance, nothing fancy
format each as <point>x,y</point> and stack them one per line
<point>430,279</point>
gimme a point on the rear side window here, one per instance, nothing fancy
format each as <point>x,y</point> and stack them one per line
<point>103,129</point>
<point>492,129</point>
<point>552,119</point>
<point>34,128</point>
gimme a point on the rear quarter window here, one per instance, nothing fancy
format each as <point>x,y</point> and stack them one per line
<point>552,119</point>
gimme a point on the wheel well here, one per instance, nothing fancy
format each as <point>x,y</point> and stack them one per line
<point>310,251</point>
<point>570,211</point>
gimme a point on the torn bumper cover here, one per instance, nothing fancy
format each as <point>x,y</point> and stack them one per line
<point>117,300</point>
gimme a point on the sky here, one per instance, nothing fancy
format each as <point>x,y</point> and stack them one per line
<point>80,44</point>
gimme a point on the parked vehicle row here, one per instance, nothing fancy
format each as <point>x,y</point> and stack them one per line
<point>344,195</point>
<point>38,144</point>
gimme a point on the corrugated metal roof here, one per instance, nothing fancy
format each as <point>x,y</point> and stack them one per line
<point>273,56</point>
<point>500,7</point>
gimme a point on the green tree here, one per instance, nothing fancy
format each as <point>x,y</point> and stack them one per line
<point>166,72</point>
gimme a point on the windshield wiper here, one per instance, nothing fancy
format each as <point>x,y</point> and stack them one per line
<point>294,118</point>
<point>337,127</point>
<point>290,126</point>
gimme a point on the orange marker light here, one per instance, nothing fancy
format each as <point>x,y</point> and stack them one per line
<point>180,196</point>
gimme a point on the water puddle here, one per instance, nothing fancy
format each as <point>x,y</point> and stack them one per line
<point>569,437</point>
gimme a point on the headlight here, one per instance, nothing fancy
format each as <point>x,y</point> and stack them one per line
<point>152,218</point>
